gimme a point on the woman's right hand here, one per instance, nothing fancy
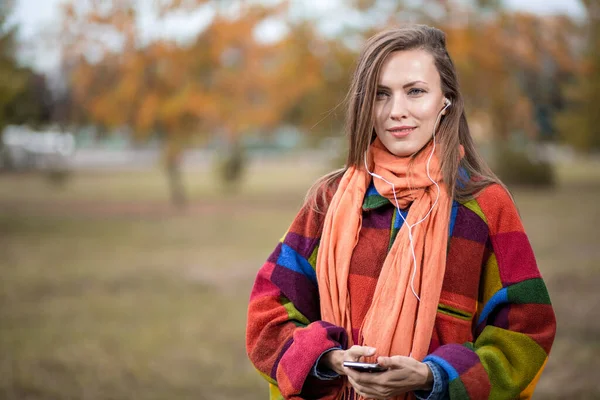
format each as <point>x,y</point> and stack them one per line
<point>334,359</point>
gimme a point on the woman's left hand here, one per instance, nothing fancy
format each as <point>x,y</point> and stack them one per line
<point>404,374</point>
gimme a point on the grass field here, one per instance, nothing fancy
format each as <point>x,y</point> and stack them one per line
<point>108,293</point>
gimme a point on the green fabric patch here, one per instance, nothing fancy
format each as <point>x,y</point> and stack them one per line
<point>529,291</point>
<point>393,230</point>
<point>374,201</point>
<point>469,345</point>
<point>511,360</point>
<point>457,389</point>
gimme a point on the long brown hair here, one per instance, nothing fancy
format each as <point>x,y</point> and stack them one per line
<point>453,129</point>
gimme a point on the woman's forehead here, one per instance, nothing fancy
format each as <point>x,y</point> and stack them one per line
<point>406,66</point>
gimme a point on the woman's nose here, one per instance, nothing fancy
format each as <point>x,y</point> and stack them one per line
<point>398,107</point>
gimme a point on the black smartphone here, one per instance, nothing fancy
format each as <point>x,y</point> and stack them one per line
<point>364,367</point>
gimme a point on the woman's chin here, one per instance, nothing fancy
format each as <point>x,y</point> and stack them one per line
<point>402,149</point>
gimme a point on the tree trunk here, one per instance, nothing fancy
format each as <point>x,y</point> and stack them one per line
<point>177,189</point>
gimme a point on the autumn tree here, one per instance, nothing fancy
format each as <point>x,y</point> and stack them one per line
<point>579,124</point>
<point>224,83</point>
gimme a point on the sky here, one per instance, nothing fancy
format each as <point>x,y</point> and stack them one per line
<point>38,19</point>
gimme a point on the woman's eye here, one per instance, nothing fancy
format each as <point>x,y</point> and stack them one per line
<point>416,91</point>
<point>381,95</point>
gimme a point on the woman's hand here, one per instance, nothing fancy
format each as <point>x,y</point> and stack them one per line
<point>404,374</point>
<point>334,359</point>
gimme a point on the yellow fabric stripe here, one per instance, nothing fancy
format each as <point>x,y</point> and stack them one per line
<point>274,393</point>
<point>491,279</point>
<point>292,312</point>
<point>267,378</point>
<point>528,392</point>
<point>312,260</point>
<point>474,206</point>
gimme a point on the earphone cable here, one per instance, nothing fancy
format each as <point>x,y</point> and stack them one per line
<point>409,226</point>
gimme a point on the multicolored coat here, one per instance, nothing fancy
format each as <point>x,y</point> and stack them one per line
<point>494,327</point>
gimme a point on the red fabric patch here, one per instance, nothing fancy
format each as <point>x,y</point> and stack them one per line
<point>370,252</point>
<point>499,210</point>
<point>536,321</point>
<point>264,356</point>
<point>449,329</point>
<point>463,268</point>
<point>307,223</point>
<point>476,381</point>
<point>516,261</point>
<point>263,285</point>
<point>361,289</point>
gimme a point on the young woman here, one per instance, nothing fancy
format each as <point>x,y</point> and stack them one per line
<point>413,256</point>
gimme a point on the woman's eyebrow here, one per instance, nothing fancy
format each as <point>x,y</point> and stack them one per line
<point>406,85</point>
<point>413,83</point>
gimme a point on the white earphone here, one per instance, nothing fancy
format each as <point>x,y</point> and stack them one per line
<point>447,103</point>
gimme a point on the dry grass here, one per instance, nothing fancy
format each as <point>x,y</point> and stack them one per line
<point>142,302</point>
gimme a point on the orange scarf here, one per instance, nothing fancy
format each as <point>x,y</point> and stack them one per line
<point>396,322</point>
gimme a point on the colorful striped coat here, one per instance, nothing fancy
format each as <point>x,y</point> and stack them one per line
<point>493,330</point>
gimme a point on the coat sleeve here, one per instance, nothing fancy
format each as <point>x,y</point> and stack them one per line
<point>515,323</point>
<point>284,333</point>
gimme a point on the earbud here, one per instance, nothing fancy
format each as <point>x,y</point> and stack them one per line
<point>447,102</point>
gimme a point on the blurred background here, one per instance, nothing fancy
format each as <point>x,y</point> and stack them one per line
<point>153,152</point>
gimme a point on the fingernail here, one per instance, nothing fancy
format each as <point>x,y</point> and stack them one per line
<point>370,351</point>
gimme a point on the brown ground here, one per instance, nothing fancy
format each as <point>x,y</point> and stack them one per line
<point>107,296</point>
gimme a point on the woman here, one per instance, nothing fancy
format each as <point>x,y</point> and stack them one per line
<point>413,256</point>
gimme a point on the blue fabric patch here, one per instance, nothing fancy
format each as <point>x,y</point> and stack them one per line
<point>453,212</point>
<point>452,374</point>
<point>500,297</point>
<point>463,176</point>
<point>289,258</point>
<point>398,221</point>
<point>371,191</point>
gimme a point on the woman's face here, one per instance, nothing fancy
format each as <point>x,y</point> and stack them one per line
<point>408,100</point>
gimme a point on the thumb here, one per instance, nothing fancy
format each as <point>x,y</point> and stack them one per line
<point>389,362</point>
<point>354,353</point>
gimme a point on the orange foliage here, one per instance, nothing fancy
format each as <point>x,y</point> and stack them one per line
<point>228,82</point>
<point>224,81</point>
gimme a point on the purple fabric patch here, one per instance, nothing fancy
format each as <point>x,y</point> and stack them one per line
<point>378,218</point>
<point>500,319</point>
<point>461,358</point>
<point>303,245</point>
<point>470,226</point>
<point>336,333</point>
<point>275,254</point>
<point>303,294</point>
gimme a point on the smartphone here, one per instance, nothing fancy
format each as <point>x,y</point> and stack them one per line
<point>364,367</point>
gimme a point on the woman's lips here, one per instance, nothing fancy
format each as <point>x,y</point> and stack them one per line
<point>401,132</point>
